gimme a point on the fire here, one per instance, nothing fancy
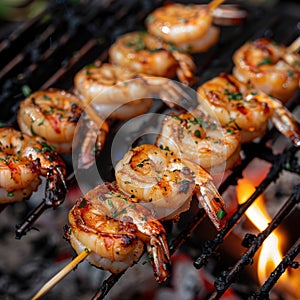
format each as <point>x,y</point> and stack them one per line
<point>270,255</point>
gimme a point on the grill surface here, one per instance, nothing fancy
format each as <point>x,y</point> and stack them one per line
<point>48,50</point>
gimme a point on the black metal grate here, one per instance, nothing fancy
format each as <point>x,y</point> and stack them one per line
<point>48,50</point>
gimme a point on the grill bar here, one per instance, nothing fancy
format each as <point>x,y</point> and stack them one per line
<point>211,245</point>
<point>279,270</point>
<point>227,278</point>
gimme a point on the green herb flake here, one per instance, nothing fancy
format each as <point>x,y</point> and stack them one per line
<point>41,123</point>
<point>148,259</point>
<point>91,65</point>
<point>230,131</point>
<point>48,112</point>
<point>176,117</point>
<point>235,96</point>
<point>26,90</point>
<point>287,166</point>
<point>265,61</point>
<point>32,131</point>
<point>102,198</point>
<point>154,50</point>
<point>197,133</point>
<point>121,212</point>
<point>82,204</point>
<point>290,73</point>
<point>220,214</point>
<point>172,47</point>
<point>10,194</point>
<point>150,19</point>
<point>46,147</point>
<point>46,97</point>
<point>110,203</point>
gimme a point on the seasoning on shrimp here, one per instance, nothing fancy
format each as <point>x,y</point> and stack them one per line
<point>269,66</point>
<point>116,230</point>
<point>186,27</point>
<point>23,159</point>
<point>201,139</point>
<point>142,53</point>
<point>54,114</point>
<point>240,105</point>
<point>117,92</point>
<point>165,183</point>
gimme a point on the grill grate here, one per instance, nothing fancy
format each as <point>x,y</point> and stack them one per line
<point>48,50</point>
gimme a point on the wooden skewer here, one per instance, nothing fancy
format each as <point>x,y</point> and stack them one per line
<point>295,45</point>
<point>61,274</point>
<point>214,4</point>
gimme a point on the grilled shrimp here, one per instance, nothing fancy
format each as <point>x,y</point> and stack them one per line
<point>118,92</point>
<point>116,229</point>
<point>246,108</point>
<point>53,115</point>
<point>269,66</point>
<point>143,53</point>
<point>165,183</point>
<point>23,159</point>
<point>200,139</point>
<point>187,27</point>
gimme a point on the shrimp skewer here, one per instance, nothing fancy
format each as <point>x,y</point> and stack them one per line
<point>119,93</point>
<point>115,229</point>
<point>246,108</point>
<point>187,27</point>
<point>23,159</point>
<point>142,53</point>
<point>270,67</point>
<point>54,114</point>
<point>166,183</point>
<point>200,139</point>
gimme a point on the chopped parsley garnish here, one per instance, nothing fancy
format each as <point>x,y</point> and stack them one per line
<point>265,61</point>
<point>235,96</point>
<point>149,19</point>
<point>197,133</point>
<point>32,131</point>
<point>82,204</point>
<point>220,214</point>
<point>26,90</point>
<point>46,97</point>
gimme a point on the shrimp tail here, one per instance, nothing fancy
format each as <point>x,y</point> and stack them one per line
<point>175,96</point>
<point>285,123</point>
<point>213,203</point>
<point>161,257</point>
<point>56,187</point>
<point>187,69</point>
<point>91,142</point>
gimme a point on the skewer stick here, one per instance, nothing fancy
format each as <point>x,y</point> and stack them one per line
<point>61,274</point>
<point>295,45</point>
<point>214,4</point>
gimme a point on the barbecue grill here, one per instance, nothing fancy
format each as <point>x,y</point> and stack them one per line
<point>49,49</point>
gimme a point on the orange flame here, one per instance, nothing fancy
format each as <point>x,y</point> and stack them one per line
<point>270,255</point>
